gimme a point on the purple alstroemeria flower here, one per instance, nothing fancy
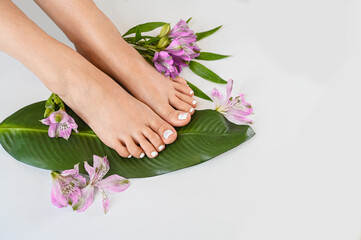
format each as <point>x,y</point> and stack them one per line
<point>234,109</point>
<point>164,64</point>
<point>114,183</point>
<point>181,49</point>
<point>60,124</point>
<point>181,29</point>
<point>66,187</point>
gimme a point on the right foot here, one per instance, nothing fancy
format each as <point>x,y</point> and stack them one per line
<point>119,120</point>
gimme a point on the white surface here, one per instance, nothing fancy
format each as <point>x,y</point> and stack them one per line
<point>298,178</point>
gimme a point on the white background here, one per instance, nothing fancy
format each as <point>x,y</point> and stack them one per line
<point>299,178</point>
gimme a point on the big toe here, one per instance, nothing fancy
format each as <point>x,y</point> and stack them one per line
<point>177,118</point>
<point>165,131</point>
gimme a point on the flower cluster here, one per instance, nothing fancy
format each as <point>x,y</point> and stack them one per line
<point>181,50</point>
<point>69,188</point>
<point>234,109</point>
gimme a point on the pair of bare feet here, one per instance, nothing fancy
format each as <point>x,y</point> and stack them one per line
<point>129,105</point>
<point>138,123</point>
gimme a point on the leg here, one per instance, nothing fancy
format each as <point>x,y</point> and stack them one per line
<point>98,40</point>
<point>95,97</point>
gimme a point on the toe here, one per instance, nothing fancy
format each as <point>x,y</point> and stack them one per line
<point>187,99</point>
<point>154,139</point>
<point>167,133</point>
<point>122,150</point>
<point>180,80</point>
<point>134,149</point>
<point>183,89</point>
<point>147,147</point>
<point>181,105</point>
<point>172,116</point>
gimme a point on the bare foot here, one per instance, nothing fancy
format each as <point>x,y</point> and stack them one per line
<point>171,99</point>
<point>119,120</point>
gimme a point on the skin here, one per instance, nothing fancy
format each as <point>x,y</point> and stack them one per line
<point>83,82</point>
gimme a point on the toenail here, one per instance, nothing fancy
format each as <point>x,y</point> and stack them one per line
<point>142,155</point>
<point>182,116</point>
<point>191,92</point>
<point>161,147</point>
<point>191,110</point>
<point>194,102</point>
<point>130,155</point>
<point>153,154</point>
<point>167,133</point>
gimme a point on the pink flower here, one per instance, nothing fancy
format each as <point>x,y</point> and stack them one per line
<point>181,29</point>
<point>60,124</point>
<point>234,109</point>
<point>113,183</point>
<point>164,64</point>
<point>66,187</point>
<point>182,49</point>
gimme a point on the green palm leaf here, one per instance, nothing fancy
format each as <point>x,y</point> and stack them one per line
<point>208,135</point>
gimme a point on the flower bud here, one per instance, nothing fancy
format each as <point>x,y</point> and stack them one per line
<point>165,30</point>
<point>48,111</point>
<point>163,42</point>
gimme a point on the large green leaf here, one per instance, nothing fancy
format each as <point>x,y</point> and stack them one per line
<point>205,34</point>
<point>208,135</point>
<point>205,72</point>
<point>145,27</point>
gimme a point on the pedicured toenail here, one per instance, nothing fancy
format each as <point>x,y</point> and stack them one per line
<point>191,92</point>
<point>191,110</point>
<point>142,155</point>
<point>161,147</point>
<point>182,116</point>
<point>153,154</point>
<point>194,102</point>
<point>167,133</point>
<point>130,155</point>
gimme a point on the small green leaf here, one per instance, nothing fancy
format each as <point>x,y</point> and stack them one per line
<point>189,19</point>
<point>198,92</point>
<point>208,56</point>
<point>202,35</point>
<point>145,27</point>
<point>151,40</point>
<point>138,34</point>
<point>205,73</point>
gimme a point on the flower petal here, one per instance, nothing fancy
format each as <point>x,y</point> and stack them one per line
<point>74,171</point>
<point>229,88</point>
<point>57,198</point>
<point>105,200</point>
<point>86,200</point>
<point>46,121</point>
<point>52,130</point>
<point>114,183</point>
<point>90,170</point>
<point>217,97</point>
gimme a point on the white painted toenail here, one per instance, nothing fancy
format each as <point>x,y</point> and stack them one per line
<point>153,154</point>
<point>167,133</point>
<point>130,155</point>
<point>191,110</point>
<point>194,102</point>
<point>191,92</point>
<point>142,155</point>
<point>161,147</point>
<point>182,116</point>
